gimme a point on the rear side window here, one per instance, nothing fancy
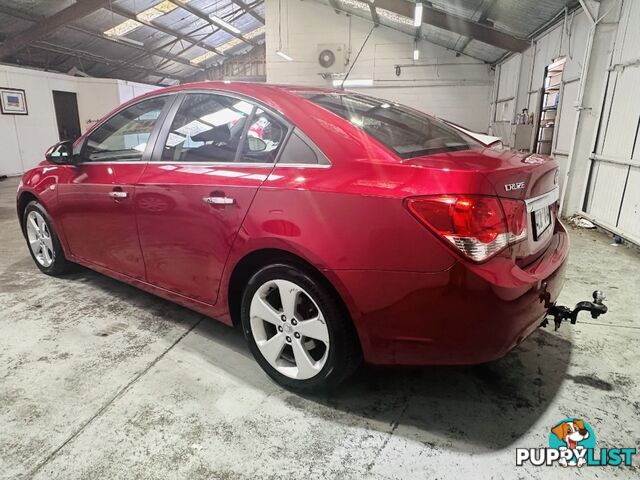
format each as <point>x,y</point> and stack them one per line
<point>206,128</point>
<point>264,138</point>
<point>124,136</point>
<point>408,133</point>
<point>301,152</point>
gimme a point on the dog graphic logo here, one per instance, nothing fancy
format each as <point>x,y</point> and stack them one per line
<point>572,437</point>
<point>572,443</point>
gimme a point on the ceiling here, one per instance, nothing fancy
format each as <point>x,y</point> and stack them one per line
<point>171,41</point>
<point>152,41</point>
<point>465,26</point>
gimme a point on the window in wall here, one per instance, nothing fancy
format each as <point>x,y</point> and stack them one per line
<point>206,128</point>
<point>263,140</point>
<point>124,136</point>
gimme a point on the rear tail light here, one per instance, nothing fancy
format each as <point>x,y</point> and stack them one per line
<point>476,225</point>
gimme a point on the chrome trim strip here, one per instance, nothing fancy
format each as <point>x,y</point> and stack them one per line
<point>211,164</point>
<point>543,200</point>
<point>302,165</point>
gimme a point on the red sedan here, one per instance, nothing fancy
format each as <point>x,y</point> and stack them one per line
<point>334,227</point>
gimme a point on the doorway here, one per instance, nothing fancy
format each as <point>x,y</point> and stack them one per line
<point>66,106</point>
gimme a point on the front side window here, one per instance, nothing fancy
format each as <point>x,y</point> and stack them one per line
<point>263,139</point>
<point>206,128</point>
<point>406,132</point>
<point>124,136</point>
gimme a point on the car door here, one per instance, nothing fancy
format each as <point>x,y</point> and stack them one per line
<point>212,155</point>
<point>97,202</point>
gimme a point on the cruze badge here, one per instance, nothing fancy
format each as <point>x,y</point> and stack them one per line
<point>514,186</point>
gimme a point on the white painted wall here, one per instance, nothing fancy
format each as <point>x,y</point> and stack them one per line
<point>25,138</point>
<point>459,93</point>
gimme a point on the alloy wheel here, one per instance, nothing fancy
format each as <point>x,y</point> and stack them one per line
<point>39,237</point>
<point>289,329</point>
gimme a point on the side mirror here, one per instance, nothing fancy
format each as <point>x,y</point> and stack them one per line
<point>256,144</point>
<point>61,153</point>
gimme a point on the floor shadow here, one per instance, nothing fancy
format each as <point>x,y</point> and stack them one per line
<point>479,408</point>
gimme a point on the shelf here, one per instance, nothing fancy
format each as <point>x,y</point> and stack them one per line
<point>545,141</point>
<point>551,89</point>
<point>546,109</point>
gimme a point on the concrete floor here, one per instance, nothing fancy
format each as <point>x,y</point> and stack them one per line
<point>100,380</point>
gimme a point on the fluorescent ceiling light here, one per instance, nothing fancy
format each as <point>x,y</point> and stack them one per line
<point>280,53</point>
<point>416,54</point>
<point>131,41</point>
<point>203,57</point>
<point>417,17</point>
<point>224,24</point>
<point>365,82</point>
<point>385,105</point>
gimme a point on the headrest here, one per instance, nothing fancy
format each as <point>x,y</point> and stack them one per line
<point>217,134</point>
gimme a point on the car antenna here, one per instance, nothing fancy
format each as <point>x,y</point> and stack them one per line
<point>356,59</point>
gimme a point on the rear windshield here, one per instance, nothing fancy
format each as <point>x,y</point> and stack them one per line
<point>407,132</point>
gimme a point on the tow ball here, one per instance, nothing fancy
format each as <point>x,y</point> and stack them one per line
<point>560,312</point>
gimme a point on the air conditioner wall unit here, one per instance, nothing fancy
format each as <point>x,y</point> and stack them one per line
<point>331,57</point>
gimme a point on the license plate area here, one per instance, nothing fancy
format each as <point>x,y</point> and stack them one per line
<point>540,221</point>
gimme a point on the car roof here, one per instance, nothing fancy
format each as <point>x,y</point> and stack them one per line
<point>244,87</point>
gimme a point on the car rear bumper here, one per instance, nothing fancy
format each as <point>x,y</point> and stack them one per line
<point>467,314</point>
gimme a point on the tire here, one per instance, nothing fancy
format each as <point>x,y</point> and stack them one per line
<point>42,241</point>
<point>297,360</point>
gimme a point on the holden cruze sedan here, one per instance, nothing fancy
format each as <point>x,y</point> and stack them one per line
<point>332,226</point>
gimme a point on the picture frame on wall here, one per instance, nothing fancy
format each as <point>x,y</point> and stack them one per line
<point>13,101</point>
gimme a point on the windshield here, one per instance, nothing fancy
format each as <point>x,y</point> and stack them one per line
<point>408,133</point>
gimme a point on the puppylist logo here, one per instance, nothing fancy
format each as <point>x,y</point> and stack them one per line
<point>572,443</point>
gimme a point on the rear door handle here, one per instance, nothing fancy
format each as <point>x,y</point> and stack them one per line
<point>118,195</point>
<point>218,200</point>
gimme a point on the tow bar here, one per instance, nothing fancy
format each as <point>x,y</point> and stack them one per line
<point>560,312</point>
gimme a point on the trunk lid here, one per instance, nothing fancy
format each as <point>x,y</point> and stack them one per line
<point>529,177</point>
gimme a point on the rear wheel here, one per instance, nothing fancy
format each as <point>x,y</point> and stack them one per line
<point>42,240</point>
<point>297,330</point>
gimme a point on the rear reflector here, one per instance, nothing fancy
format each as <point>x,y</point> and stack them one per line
<point>476,225</point>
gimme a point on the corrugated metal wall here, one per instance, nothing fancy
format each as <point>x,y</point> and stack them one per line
<point>613,193</point>
<point>522,76</point>
<point>505,104</point>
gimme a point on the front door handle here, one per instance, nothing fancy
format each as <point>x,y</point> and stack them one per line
<point>218,200</point>
<point>118,195</point>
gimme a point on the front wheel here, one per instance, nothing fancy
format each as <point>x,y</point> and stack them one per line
<point>297,329</point>
<point>42,240</point>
